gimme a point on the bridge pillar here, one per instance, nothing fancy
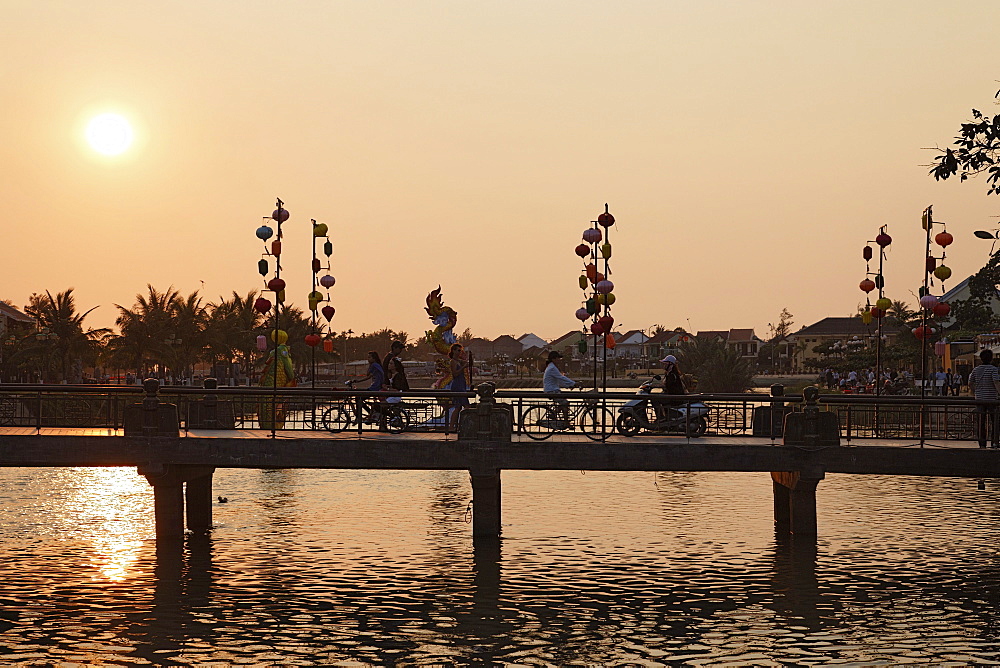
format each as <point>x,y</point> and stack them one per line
<point>168,510</point>
<point>795,501</point>
<point>198,497</point>
<point>168,498</point>
<point>782,507</point>
<point>486,427</point>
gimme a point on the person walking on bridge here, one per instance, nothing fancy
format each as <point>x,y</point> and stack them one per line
<point>985,383</point>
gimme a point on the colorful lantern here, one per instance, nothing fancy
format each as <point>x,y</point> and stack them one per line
<point>606,322</point>
<point>927,302</point>
<point>280,296</point>
<point>320,230</point>
<point>316,265</point>
<point>583,282</point>
<point>581,345</point>
<point>867,285</point>
<point>583,250</point>
<point>598,277</point>
<point>315,296</point>
<point>876,312</point>
<point>606,251</point>
<point>262,267</point>
<point>883,303</point>
<point>866,316</point>
<point>327,281</point>
<point>941,346</point>
<point>328,312</point>
<point>943,272</point>
<point>264,232</point>
<point>931,263</point>
<point>582,314</point>
<point>941,310</point>
<point>596,328</point>
<point>276,284</point>
<point>883,240</point>
<point>591,271</point>
<point>922,332</point>
<point>608,299</point>
<point>280,215</point>
<point>605,219</point>
<point>605,287</point>
<point>609,341</point>
<point>328,248</point>
<point>275,247</point>
<point>943,239</point>
<point>327,345</point>
<point>867,253</point>
<point>312,340</point>
<point>262,343</point>
<point>591,306</point>
<point>879,281</point>
<point>592,235</point>
<point>262,305</point>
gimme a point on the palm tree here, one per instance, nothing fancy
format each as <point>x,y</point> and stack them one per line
<point>231,329</point>
<point>64,345</point>
<point>144,331</point>
<point>186,335</point>
<point>901,312</point>
<point>715,366</point>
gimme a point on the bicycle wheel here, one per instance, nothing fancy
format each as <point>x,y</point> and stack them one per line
<point>395,419</point>
<point>597,423</point>
<point>537,423</point>
<point>336,419</point>
<point>628,424</point>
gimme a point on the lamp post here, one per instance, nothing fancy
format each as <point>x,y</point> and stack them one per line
<point>347,335</point>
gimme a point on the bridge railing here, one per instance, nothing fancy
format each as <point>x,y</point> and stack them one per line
<point>307,409</point>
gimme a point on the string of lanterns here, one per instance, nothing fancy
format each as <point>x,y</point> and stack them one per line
<point>598,290</point>
<point>882,303</point>
<point>276,284</point>
<point>932,306</point>
<point>327,281</point>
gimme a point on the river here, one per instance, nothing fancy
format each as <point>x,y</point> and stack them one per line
<point>378,568</point>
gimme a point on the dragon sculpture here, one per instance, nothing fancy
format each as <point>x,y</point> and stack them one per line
<point>266,416</point>
<point>441,337</point>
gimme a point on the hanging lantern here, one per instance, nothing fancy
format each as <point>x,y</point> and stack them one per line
<point>867,253</point>
<point>262,267</point>
<point>320,230</point>
<point>312,340</point>
<point>591,271</point>
<point>262,305</point>
<point>592,235</point>
<point>582,314</point>
<point>598,277</point>
<point>606,322</point>
<point>264,232</point>
<point>608,299</point>
<point>883,303</point>
<point>583,250</point>
<point>605,286</point>
<point>276,284</point>
<point>275,247</point>
<point>581,345</point>
<point>925,220</point>
<point>315,296</point>
<point>922,332</point>
<point>866,316</point>
<point>327,281</point>
<point>280,215</point>
<point>867,285</point>
<point>316,265</point>
<point>328,248</point>
<point>943,239</point>
<point>931,263</point>
<point>879,281</point>
<point>262,343</point>
<point>605,219</point>
<point>943,272</point>
<point>599,298</point>
<point>876,312</point>
<point>927,302</point>
<point>883,239</point>
<point>609,341</point>
<point>583,282</point>
<point>596,328</point>
<point>328,312</point>
<point>606,251</point>
<point>941,310</point>
<point>280,296</point>
<point>327,345</point>
<point>922,290</point>
<point>940,347</point>
<point>591,306</point>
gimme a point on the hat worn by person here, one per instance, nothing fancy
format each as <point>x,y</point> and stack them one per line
<point>669,358</point>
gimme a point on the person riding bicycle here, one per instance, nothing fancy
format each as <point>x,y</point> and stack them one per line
<point>552,383</point>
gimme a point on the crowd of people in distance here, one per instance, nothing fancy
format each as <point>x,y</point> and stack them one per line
<point>940,383</point>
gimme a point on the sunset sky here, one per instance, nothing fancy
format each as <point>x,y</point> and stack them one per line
<point>748,150</point>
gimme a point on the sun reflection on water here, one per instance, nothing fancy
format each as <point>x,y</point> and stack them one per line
<point>112,509</point>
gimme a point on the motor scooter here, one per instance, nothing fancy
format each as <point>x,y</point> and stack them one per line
<point>640,414</point>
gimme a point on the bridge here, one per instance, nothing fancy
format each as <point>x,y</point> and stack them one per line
<point>40,426</point>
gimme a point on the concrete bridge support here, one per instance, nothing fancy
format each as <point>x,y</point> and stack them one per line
<point>487,428</point>
<point>795,502</point>
<point>169,496</point>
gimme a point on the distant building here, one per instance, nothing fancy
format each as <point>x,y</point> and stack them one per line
<point>660,345</point>
<point>14,323</point>
<point>744,341</point>
<point>962,292</point>
<point>531,340</point>
<point>829,331</point>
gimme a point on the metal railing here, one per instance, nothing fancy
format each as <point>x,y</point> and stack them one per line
<point>308,409</point>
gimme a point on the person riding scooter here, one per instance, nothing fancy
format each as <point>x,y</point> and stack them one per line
<point>673,384</point>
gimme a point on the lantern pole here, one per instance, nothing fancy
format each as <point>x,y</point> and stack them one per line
<point>278,294</point>
<point>880,280</point>
<point>315,267</point>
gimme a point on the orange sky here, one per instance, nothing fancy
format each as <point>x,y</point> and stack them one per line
<point>747,150</point>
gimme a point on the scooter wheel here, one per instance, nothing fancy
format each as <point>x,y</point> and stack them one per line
<point>697,427</point>
<point>628,424</point>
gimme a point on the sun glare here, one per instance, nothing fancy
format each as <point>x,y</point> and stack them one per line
<point>109,134</point>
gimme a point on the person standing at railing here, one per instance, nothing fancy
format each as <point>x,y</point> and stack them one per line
<point>553,381</point>
<point>459,362</point>
<point>985,383</point>
<point>394,370</point>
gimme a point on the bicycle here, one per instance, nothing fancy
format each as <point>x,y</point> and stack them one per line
<point>595,421</point>
<point>393,418</point>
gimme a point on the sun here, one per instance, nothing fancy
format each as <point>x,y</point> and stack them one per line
<point>109,134</point>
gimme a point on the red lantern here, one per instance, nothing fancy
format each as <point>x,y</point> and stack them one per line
<point>276,284</point>
<point>316,265</point>
<point>867,253</point>
<point>931,263</point>
<point>883,240</point>
<point>596,328</point>
<point>591,272</point>
<point>941,310</point>
<point>598,277</point>
<point>275,247</point>
<point>606,322</point>
<point>583,250</point>
<point>609,341</point>
<point>262,305</point>
<point>606,220</point>
<point>877,312</point>
<point>922,332</point>
<point>327,345</point>
<point>328,312</point>
<point>867,285</point>
<point>943,239</point>
<point>312,340</point>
